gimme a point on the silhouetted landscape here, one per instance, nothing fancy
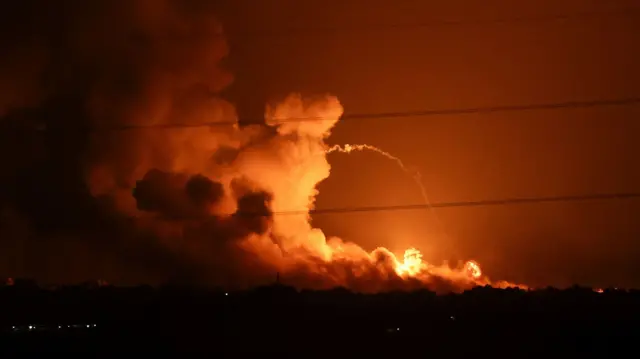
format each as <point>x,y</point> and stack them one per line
<point>282,319</point>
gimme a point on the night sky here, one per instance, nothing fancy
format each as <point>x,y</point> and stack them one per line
<point>376,57</point>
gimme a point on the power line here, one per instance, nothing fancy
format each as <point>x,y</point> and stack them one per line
<point>631,11</point>
<point>511,108</point>
<point>404,114</point>
<point>482,203</point>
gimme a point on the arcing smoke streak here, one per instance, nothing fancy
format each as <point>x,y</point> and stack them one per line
<point>412,265</point>
<point>415,174</point>
<point>351,148</point>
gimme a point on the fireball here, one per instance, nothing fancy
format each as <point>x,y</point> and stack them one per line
<point>412,264</point>
<point>472,268</point>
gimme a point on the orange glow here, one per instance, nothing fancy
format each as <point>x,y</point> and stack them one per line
<point>473,269</point>
<point>412,263</point>
<point>288,164</point>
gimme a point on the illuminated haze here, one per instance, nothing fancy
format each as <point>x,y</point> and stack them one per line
<point>184,203</point>
<point>151,205</point>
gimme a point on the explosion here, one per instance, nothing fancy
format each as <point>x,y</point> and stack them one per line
<point>237,199</point>
<point>221,204</point>
<point>412,263</point>
<point>265,192</point>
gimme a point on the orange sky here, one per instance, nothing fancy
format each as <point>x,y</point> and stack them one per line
<point>470,157</point>
<point>474,62</point>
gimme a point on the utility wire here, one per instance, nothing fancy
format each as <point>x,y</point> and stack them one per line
<point>387,115</point>
<point>541,18</point>
<point>482,203</point>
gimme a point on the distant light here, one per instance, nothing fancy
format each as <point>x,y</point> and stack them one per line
<point>59,326</point>
<point>398,329</point>
<point>227,294</point>
<point>88,326</point>
<point>453,318</point>
<point>13,327</point>
<point>94,325</point>
<point>30,327</point>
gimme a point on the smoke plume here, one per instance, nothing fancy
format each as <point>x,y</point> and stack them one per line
<point>116,92</point>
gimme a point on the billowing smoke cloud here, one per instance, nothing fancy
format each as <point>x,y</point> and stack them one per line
<point>69,69</point>
<point>176,195</point>
<point>219,204</point>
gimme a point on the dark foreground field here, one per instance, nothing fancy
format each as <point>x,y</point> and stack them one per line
<point>319,324</point>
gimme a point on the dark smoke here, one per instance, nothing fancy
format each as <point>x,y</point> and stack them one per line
<point>177,196</point>
<point>70,67</point>
<point>253,212</point>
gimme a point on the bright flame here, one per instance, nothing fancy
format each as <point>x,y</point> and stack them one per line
<point>412,263</point>
<point>473,269</point>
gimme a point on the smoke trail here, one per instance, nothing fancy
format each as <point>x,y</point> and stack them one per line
<point>415,174</point>
<point>350,148</point>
